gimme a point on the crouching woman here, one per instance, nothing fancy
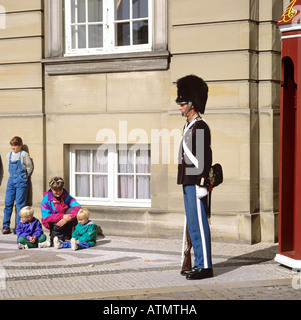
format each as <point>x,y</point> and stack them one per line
<point>59,210</point>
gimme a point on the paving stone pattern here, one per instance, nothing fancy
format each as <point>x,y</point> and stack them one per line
<point>122,268</point>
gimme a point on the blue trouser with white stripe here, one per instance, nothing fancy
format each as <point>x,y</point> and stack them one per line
<point>198,227</point>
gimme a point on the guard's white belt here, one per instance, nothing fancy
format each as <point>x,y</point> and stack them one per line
<point>188,153</point>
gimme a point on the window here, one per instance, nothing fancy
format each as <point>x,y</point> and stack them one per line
<point>72,34</point>
<point>107,175</point>
<point>107,26</point>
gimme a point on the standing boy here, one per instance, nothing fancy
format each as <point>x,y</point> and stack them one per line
<point>20,168</point>
<point>195,159</point>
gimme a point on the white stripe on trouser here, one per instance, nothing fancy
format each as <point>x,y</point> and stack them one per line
<point>202,232</point>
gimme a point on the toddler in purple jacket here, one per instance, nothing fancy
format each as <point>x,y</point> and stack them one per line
<point>29,231</point>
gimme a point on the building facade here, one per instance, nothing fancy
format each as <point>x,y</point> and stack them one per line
<point>90,87</point>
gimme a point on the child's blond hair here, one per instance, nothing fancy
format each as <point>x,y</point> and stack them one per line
<point>26,212</point>
<point>83,213</point>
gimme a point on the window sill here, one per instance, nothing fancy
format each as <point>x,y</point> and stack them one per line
<point>146,61</point>
<point>116,203</point>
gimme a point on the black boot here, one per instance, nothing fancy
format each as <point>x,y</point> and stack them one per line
<point>186,272</point>
<point>199,274</point>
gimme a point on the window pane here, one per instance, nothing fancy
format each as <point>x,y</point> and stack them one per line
<point>100,161</point>
<point>82,187</point>
<point>126,161</point>
<point>126,187</point>
<point>140,32</point>
<point>73,35</point>
<point>143,161</point>
<point>122,9</point>
<point>72,11</point>
<point>95,10</point>
<point>123,34</point>
<point>82,161</point>
<point>143,187</point>
<point>100,186</point>
<point>82,37</point>
<point>81,11</point>
<point>95,36</point>
<point>140,9</point>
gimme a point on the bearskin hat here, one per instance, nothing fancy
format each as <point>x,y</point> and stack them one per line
<point>193,89</point>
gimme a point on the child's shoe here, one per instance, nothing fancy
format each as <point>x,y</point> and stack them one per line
<point>6,230</point>
<point>45,244</point>
<point>57,243</point>
<point>22,246</point>
<point>73,244</point>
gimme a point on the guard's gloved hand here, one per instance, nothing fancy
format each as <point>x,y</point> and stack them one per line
<point>201,192</point>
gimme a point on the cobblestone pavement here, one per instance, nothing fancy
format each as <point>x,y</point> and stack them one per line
<point>122,268</point>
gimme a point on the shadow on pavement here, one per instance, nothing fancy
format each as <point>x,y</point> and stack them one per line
<point>250,258</point>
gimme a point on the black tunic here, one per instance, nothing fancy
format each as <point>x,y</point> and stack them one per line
<point>198,141</point>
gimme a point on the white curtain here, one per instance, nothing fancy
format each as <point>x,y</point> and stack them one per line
<point>143,166</point>
<point>126,182</point>
<point>99,181</point>
<point>82,188</point>
<point>133,174</point>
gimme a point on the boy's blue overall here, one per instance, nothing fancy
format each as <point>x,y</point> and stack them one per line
<point>17,188</point>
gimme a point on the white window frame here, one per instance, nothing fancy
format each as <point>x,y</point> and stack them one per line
<point>112,199</point>
<point>109,46</point>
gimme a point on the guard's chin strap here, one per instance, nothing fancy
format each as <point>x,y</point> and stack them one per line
<point>187,109</point>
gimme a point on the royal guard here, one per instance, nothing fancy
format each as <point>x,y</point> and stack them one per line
<point>195,161</point>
